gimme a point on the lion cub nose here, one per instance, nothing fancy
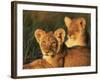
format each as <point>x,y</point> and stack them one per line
<point>70,33</point>
<point>47,51</point>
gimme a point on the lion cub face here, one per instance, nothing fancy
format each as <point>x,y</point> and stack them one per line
<point>75,26</point>
<point>76,30</point>
<point>49,42</point>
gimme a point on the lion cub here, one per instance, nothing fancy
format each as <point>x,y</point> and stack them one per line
<point>51,47</point>
<point>78,54</point>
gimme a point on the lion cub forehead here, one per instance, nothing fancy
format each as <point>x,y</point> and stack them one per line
<point>49,36</point>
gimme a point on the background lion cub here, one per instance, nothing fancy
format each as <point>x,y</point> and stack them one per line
<point>50,44</point>
<point>76,29</point>
<point>78,54</point>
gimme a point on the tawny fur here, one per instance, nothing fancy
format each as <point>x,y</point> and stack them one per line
<point>77,56</point>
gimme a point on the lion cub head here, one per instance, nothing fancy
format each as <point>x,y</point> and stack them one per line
<point>49,42</point>
<point>75,29</point>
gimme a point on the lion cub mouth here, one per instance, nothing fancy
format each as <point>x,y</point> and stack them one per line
<point>49,54</point>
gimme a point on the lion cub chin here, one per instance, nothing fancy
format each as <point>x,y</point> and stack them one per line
<point>77,53</point>
<point>50,44</point>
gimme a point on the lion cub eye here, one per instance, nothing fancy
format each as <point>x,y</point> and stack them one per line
<point>43,42</point>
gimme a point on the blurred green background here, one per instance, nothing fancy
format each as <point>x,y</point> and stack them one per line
<point>49,21</point>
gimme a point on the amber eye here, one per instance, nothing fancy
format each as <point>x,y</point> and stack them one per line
<point>43,42</point>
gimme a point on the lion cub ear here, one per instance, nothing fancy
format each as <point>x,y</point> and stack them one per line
<point>82,22</point>
<point>67,21</point>
<point>60,35</point>
<point>38,34</point>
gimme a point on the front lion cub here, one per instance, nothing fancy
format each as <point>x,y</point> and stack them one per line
<point>51,47</point>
